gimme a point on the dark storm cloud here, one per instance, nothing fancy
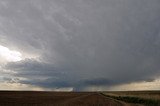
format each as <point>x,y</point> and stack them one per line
<point>34,69</point>
<point>101,81</point>
<point>46,75</point>
<point>118,40</point>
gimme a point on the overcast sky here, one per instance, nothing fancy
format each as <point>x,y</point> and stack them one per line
<point>79,44</point>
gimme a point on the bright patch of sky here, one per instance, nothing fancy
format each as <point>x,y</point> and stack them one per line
<point>10,55</point>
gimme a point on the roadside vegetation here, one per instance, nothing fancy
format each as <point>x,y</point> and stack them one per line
<point>144,98</point>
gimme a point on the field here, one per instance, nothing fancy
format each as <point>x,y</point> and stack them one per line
<point>37,98</point>
<point>147,98</point>
<point>116,98</point>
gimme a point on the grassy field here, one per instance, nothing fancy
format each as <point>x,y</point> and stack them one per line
<point>147,98</point>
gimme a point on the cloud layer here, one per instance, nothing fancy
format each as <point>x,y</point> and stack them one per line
<point>82,43</point>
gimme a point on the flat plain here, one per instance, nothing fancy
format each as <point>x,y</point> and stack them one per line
<point>112,98</point>
<point>41,98</point>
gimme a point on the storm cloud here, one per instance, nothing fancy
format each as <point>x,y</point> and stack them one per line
<point>81,43</point>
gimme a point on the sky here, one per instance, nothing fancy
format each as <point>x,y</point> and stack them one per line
<point>79,45</point>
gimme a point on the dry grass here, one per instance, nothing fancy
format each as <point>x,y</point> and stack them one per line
<point>142,94</point>
<point>142,97</point>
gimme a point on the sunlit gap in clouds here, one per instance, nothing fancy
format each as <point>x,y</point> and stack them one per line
<point>10,55</point>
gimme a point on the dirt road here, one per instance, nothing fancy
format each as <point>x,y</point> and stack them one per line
<point>57,99</point>
<point>95,99</point>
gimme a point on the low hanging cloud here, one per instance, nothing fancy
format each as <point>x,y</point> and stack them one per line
<point>82,43</point>
<point>46,75</point>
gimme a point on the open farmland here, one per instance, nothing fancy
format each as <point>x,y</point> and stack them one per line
<point>32,98</point>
